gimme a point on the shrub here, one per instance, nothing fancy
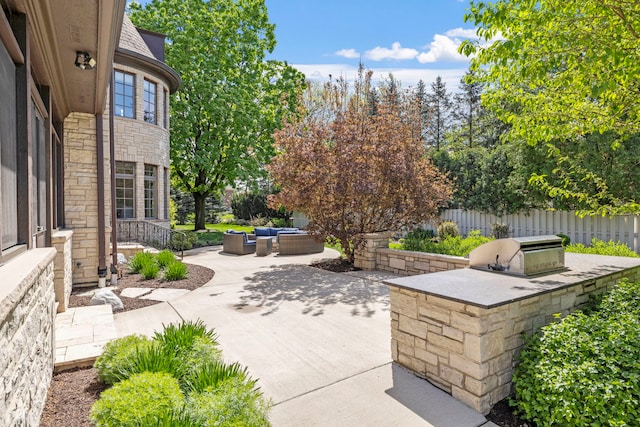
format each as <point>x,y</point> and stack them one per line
<point>600,247</point>
<point>154,358</point>
<point>250,205</point>
<point>140,260</point>
<point>165,257</point>
<point>202,352</point>
<point>138,400</point>
<point>421,234</point>
<point>183,240</point>
<point>150,270</point>
<point>500,231</point>
<point>450,245</point>
<point>175,271</point>
<point>117,355</point>
<point>278,222</point>
<point>181,337</point>
<point>232,403</point>
<point>448,228</point>
<point>209,375</point>
<point>584,370</point>
<point>566,240</point>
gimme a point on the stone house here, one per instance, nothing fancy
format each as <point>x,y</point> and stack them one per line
<point>60,145</point>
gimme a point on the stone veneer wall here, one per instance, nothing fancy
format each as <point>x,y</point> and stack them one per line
<point>27,313</point>
<point>63,278</point>
<point>145,143</point>
<point>376,255</point>
<point>411,263</point>
<point>470,351</point>
<point>81,195</point>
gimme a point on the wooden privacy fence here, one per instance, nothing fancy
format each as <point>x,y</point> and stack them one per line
<point>623,228</point>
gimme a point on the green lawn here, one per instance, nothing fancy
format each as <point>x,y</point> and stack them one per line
<point>217,227</point>
<point>214,233</point>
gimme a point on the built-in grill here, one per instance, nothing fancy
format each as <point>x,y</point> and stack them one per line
<point>520,256</point>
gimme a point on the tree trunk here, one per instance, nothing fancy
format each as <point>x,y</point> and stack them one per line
<point>199,200</point>
<point>348,250</point>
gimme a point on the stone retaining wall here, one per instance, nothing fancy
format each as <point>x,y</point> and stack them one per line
<point>376,255</point>
<point>27,313</point>
<point>410,263</point>
<point>470,351</point>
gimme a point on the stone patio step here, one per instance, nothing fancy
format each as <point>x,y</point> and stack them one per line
<point>80,335</point>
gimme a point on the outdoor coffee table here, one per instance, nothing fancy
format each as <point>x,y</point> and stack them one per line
<point>263,246</point>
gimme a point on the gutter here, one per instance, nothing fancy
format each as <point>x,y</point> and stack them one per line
<point>112,163</point>
<point>102,259</point>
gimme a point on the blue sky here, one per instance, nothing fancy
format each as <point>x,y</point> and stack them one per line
<point>413,39</point>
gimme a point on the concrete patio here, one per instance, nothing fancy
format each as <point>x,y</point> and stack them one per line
<point>318,341</point>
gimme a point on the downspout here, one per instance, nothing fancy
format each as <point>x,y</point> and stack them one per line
<point>102,260</point>
<point>112,161</point>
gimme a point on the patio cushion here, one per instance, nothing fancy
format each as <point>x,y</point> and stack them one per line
<point>262,231</point>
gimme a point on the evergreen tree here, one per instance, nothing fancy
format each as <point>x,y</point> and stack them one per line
<point>468,109</point>
<point>439,105</point>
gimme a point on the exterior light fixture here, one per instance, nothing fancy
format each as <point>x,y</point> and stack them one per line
<point>84,61</point>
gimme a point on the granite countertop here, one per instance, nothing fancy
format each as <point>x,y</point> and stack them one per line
<point>489,289</point>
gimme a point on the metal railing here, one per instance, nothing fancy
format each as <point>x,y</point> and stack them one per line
<point>150,234</point>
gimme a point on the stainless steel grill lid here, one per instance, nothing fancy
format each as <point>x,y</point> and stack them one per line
<point>520,256</point>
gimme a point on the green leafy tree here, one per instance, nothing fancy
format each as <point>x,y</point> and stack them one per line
<point>231,99</point>
<point>567,69</point>
<point>357,172</point>
<point>485,179</point>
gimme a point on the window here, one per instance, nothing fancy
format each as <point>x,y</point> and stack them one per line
<point>149,102</point>
<point>150,182</point>
<point>8,152</point>
<point>39,171</point>
<point>125,184</point>
<point>124,95</point>
<point>167,191</point>
<point>166,109</point>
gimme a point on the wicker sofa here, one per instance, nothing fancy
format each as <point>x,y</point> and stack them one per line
<point>238,243</point>
<point>298,244</point>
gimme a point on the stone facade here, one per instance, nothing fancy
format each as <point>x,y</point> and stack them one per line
<point>27,311</point>
<point>63,243</point>
<point>81,195</point>
<point>145,143</point>
<point>469,350</point>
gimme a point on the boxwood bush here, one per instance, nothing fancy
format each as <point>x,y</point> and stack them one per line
<point>585,369</point>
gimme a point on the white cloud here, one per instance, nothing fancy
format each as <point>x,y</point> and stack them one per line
<point>407,76</point>
<point>442,48</point>
<point>348,53</point>
<point>396,52</point>
<point>465,33</point>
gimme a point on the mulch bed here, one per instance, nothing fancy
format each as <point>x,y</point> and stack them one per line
<point>72,393</point>
<point>196,277</point>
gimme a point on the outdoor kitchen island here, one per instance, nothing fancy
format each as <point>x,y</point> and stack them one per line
<point>462,329</point>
